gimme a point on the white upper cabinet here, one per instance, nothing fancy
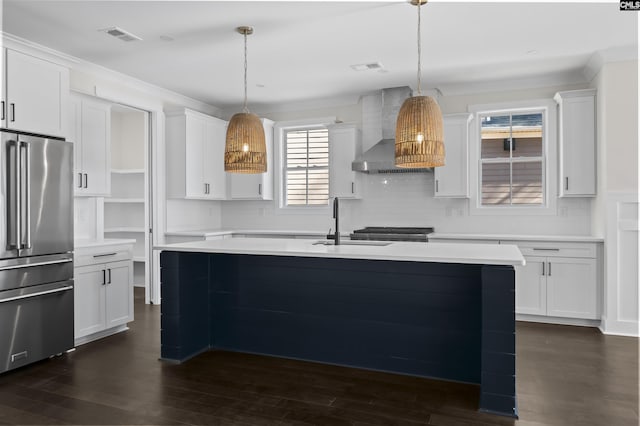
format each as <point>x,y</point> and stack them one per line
<point>35,94</point>
<point>90,132</point>
<point>195,156</point>
<point>452,179</point>
<point>577,142</point>
<point>344,144</point>
<point>255,186</point>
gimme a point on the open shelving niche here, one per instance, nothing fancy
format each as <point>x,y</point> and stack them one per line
<point>126,210</point>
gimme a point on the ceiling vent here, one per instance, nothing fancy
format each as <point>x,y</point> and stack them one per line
<point>121,34</point>
<point>373,66</point>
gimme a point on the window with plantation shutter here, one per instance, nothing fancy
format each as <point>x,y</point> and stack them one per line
<point>306,167</point>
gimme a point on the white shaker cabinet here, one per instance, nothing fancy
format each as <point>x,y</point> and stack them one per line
<point>90,132</point>
<point>344,145</point>
<point>35,94</point>
<point>195,156</point>
<point>452,179</point>
<point>103,291</point>
<point>577,142</point>
<point>559,280</point>
<point>257,186</point>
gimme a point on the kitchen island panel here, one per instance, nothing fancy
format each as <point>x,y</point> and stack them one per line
<point>420,319</point>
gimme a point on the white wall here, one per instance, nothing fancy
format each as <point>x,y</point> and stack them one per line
<point>615,210</point>
<point>127,139</point>
<point>407,199</point>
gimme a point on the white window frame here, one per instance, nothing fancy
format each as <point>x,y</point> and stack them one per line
<point>280,179</point>
<point>549,158</point>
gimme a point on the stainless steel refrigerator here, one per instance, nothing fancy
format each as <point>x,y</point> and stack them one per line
<point>36,245</point>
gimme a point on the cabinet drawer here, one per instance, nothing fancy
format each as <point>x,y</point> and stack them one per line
<point>96,255</point>
<point>553,249</point>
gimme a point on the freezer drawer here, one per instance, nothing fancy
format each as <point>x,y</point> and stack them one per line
<point>37,323</point>
<point>35,270</point>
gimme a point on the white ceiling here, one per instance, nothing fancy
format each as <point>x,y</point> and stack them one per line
<point>303,50</point>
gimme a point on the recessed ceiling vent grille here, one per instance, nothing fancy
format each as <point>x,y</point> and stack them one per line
<point>121,34</point>
<point>373,66</point>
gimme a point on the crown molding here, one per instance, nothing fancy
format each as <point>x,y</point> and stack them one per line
<point>167,97</point>
<point>598,59</point>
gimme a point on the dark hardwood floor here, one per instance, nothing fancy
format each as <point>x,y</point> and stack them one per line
<point>565,376</point>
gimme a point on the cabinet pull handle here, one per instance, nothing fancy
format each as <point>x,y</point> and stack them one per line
<point>79,180</point>
<point>543,268</point>
<point>104,277</point>
<point>3,115</point>
<point>259,189</point>
<point>109,282</point>
<point>549,274</point>
<point>205,188</point>
<point>437,186</point>
<point>86,180</point>
<point>13,111</point>
<point>545,249</point>
<point>104,255</point>
<point>566,183</point>
<point>353,184</point>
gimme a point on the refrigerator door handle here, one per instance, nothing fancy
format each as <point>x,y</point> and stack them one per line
<point>13,196</point>
<point>26,225</point>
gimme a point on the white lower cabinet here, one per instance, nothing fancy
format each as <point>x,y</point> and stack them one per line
<point>531,287</point>
<point>555,285</point>
<point>103,292</point>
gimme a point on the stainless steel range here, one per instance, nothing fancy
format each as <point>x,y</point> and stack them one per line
<point>392,233</point>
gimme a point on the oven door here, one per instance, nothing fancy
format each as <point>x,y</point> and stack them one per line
<point>36,323</point>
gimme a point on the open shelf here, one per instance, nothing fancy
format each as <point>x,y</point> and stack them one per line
<point>124,200</point>
<point>131,229</point>
<point>127,171</point>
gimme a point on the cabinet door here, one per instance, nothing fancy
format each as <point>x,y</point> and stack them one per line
<point>119,293</point>
<point>343,182</point>
<point>213,159</point>
<point>37,95</point>
<point>195,141</point>
<point>452,179</point>
<point>89,300</point>
<point>3,88</point>
<point>577,143</point>
<point>96,147</point>
<point>572,288</point>
<point>531,287</point>
<point>75,134</point>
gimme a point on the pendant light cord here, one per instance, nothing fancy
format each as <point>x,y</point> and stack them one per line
<point>245,108</point>
<point>419,54</point>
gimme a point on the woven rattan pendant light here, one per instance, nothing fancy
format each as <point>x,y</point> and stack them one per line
<point>245,150</point>
<point>419,130</point>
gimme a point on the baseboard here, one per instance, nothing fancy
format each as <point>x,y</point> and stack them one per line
<point>619,328</point>
<point>101,334</point>
<point>561,321</point>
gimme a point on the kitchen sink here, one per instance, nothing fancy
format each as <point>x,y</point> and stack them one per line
<point>351,243</point>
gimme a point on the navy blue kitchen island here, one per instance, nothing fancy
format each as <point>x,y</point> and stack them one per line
<point>377,308</point>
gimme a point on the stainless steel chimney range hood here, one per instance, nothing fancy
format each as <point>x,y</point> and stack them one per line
<point>380,112</point>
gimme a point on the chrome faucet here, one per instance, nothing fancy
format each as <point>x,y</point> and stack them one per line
<point>336,215</point>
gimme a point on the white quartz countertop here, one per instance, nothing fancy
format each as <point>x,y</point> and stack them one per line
<point>216,232</point>
<point>490,254</point>
<point>102,243</point>
<point>514,237</point>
